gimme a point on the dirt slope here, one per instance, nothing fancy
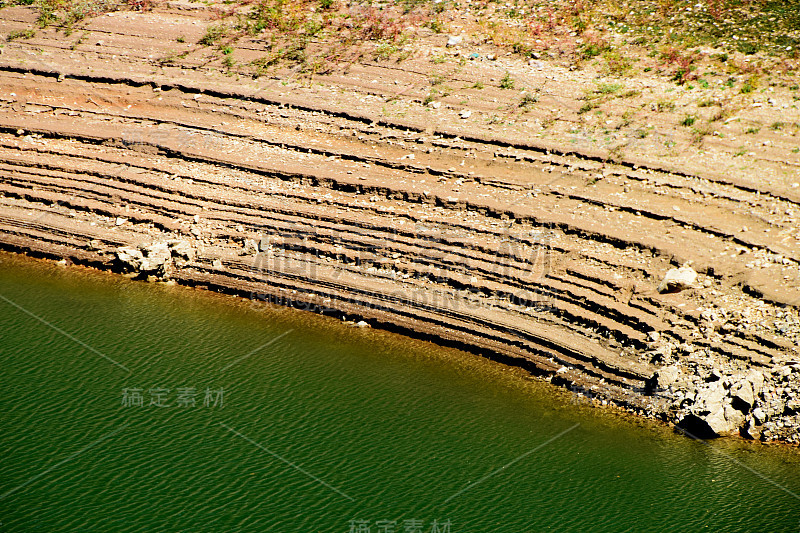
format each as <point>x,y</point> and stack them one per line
<point>350,194</point>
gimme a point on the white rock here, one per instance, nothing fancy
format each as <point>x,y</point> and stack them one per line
<point>678,279</point>
<point>159,251</point>
<point>131,257</point>
<point>181,249</point>
<point>156,256</point>
<point>743,391</point>
<point>664,377</point>
<point>756,380</point>
<point>454,40</point>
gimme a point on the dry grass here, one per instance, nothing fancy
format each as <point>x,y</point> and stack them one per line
<point>672,37</point>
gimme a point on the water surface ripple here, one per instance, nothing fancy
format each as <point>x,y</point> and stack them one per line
<point>325,425</point>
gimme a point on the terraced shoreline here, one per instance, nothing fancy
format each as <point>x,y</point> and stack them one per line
<point>517,248</point>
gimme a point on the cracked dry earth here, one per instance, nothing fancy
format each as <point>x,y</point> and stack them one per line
<point>307,196</point>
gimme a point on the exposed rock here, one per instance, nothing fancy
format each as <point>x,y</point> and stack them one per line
<point>712,414</point>
<point>718,423</point>
<point>181,249</point>
<point>697,427</point>
<point>664,377</point>
<point>662,353</point>
<point>710,397</point>
<point>250,247</point>
<point>130,257</point>
<point>723,421</point>
<point>792,407</point>
<point>742,395</point>
<point>264,244</point>
<point>734,419</point>
<point>156,257</point>
<point>678,279</point>
<point>750,430</point>
<point>756,379</point>
<point>454,40</point>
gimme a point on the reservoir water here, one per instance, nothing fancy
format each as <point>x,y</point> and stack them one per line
<point>129,406</point>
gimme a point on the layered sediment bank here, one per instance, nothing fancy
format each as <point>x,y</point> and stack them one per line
<point>527,251</point>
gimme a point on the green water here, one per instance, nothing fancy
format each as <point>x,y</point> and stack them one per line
<point>325,425</point>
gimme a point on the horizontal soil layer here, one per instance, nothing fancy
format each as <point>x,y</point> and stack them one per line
<point>529,250</point>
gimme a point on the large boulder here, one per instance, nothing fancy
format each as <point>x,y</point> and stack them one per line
<point>130,258</point>
<point>745,389</point>
<point>156,256</point>
<point>742,395</point>
<point>710,397</point>
<point>711,414</point>
<point>756,379</point>
<point>723,406</point>
<point>678,279</point>
<point>734,419</point>
<point>723,421</point>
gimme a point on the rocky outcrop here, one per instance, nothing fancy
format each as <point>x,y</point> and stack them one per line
<point>753,403</point>
<point>711,412</point>
<point>156,259</point>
